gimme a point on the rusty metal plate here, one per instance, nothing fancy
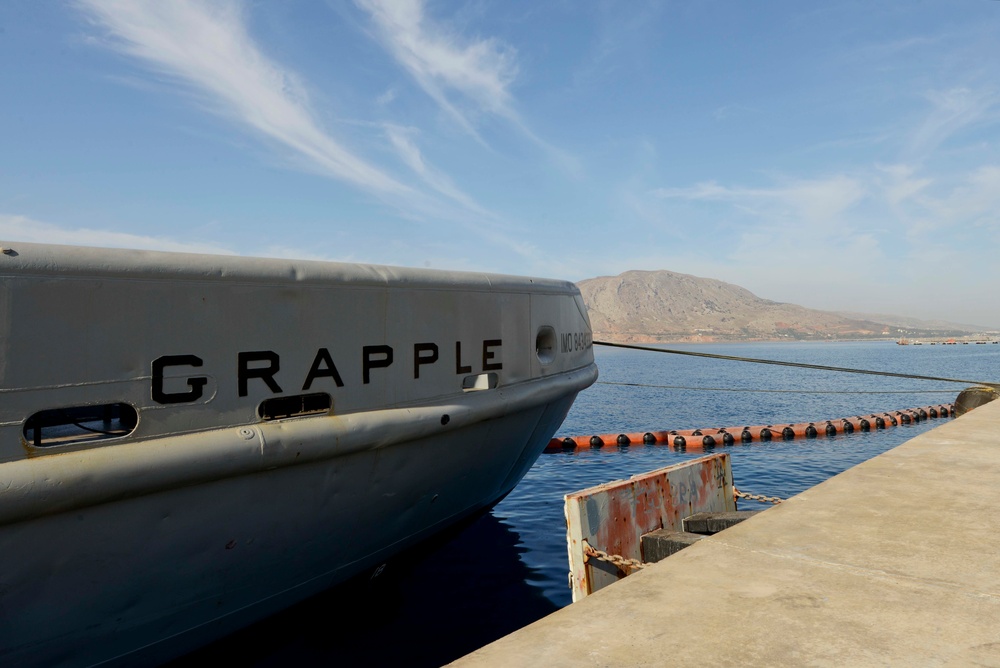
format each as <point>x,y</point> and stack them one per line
<point>612,517</point>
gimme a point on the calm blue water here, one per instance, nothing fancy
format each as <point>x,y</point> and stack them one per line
<point>508,567</point>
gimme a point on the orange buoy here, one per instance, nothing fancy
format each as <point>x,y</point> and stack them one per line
<point>709,438</point>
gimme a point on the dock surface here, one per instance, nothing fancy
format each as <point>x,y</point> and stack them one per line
<point>893,562</point>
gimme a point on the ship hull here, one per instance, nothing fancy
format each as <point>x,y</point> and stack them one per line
<point>205,513</point>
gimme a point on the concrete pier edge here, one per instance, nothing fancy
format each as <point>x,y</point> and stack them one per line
<point>896,561</point>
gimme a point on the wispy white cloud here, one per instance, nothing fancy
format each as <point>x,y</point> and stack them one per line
<point>444,63</point>
<point>892,51</point>
<point>400,139</point>
<point>22,228</point>
<point>818,200</point>
<point>386,98</point>
<point>878,230</point>
<point>207,47</point>
<point>468,77</point>
<point>620,33</point>
<point>971,202</point>
<point>901,197</point>
<point>942,206</point>
<point>900,185</point>
<point>795,225</point>
<point>952,111</point>
<point>727,111</point>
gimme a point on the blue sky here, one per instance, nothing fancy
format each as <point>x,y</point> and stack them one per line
<point>841,155</point>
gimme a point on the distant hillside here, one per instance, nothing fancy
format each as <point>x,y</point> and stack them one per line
<point>650,306</point>
<point>916,323</point>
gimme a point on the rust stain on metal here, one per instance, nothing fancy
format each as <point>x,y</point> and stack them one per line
<point>613,517</point>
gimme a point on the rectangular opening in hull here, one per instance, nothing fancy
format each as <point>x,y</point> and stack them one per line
<point>482,381</point>
<point>300,404</point>
<point>79,424</point>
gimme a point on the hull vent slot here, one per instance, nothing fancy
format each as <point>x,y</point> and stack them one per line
<point>79,424</point>
<point>280,408</point>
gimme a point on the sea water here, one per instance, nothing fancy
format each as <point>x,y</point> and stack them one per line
<point>509,567</point>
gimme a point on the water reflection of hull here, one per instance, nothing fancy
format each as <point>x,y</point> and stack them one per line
<point>433,604</point>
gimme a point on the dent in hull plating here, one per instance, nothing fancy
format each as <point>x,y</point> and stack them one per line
<point>222,502</point>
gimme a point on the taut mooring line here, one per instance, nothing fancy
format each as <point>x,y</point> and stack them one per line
<point>800,365</point>
<point>755,391</point>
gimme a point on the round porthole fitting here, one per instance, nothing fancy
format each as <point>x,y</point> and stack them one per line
<point>545,345</point>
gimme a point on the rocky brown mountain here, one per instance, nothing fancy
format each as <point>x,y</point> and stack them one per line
<point>661,306</point>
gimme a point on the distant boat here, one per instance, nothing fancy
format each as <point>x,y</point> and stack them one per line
<point>903,342</point>
<point>191,443</point>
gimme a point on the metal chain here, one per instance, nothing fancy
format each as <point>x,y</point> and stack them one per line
<point>615,559</point>
<point>620,561</point>
<point>755,497</point>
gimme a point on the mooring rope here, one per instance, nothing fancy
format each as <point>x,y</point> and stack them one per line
<point>751,390</point>
<point>799,365</point>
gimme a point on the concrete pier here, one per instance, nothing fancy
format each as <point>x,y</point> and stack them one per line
<point>895,562</point>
